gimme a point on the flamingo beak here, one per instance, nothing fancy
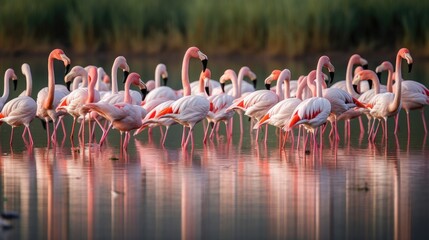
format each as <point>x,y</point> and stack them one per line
<point>370,83</point>
<point>365,66</point>
<point>15,84</point>
<point>355,87</point>
<point>165,80</point>
<point>144,93</point>
<point>254,81</point>
<point>267,86</point>
<point>204,62</point>
<point>207,89</point>
<point>410,66</point>
<point>331,75</point>
<point>222,86</point>
<point>67,69</point>
<point>68,84</point>
<point>126,73</point>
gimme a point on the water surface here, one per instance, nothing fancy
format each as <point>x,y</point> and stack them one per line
<point>238,189</point>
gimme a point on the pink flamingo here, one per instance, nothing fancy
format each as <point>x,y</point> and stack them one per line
<point>414,95</point>
<point>346,84</point>
<point>257,103</point>
<point>313,112</point>
<point>74,102</point>
<point>21,110</point>
<point>9,74</point>
<point>192,52</point>
<point>280,114</point>
<point>153,118</point>
<point>366,97</point>
<point>221,102</point>
<point>123,116</point>
<point>388,104</point>
<point>113,96</point>
<point>49,97</point>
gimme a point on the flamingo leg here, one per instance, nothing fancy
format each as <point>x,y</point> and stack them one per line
<point>30,136</point>
<point>408,122</point>
<point>165,135</point>
<point>104,136</point>
<point>424,120</point>
<point>396,123</point>
<point>11,137</point>
<point>72,130</point>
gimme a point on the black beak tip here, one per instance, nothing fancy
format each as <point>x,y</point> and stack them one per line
<point>379,75</point>
<point>356,88</point>
<point>365,66</point>
<point>370,83</point>
<point>67,69</point>
<point>207,90</point>
<point>126,73</point>
<point>331,74</point>
<point>68,84</point>
<point>15,84</point>
<point>267,86</point>
<point>410,66</point>
<point>144,93</point>
<point>204,62</point>
<point>222,86</point>
<point>255,83</point>
<point>165,80</point>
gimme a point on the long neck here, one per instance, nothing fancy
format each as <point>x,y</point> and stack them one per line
<point>99,80</point>
<point>127,95</point>
<point>243,71</point>
<point>51,84</point>
<point>319,79</point>
<point>91,86</point>
<point>29,81</point>
<point>185,75</point>
<point>236,85</point>
<point>286,88</point>
<point>6,86</point>
<point>114,82</point>
<point>302,83</point>
<point>398,78</point>
<point>158,76</point>
<point>279,91</point>
<point>389,83</point>
<point>76,82</point>
<point>349,77</point>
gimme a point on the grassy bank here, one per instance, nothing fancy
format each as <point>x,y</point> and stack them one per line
<point>275,27</point>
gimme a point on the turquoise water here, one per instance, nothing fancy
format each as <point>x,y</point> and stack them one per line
<point>239,189</point>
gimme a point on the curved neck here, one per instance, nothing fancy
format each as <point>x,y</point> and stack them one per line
<point>91,85</point>
<point>114,82</point>
<point>279,90</point>
<point>389,83</point>
<point>51,83</point>
<point>393,106</point>
<point>99,79</point>
<point>302,83</point>
<point>286,88</point>
<point>29,81</point>
<point>127,95</point>
<point>185,74</point>
<point>76,82</point>
<point>158,72</point>
<point>319,78</point>
<point>236,85</point>
<point>349,76</point>
<point>7,76</point>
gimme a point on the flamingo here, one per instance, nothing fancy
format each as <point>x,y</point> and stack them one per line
<point>21,110</point>
<point>180,112</point>
<point>414,95</point>
<point>74,102</point>
<point>279,115</point>
<point>49,97</point>
<point>9,74</point>
<point>123,116</point>
<point>153,118</point>
<point>113,96</point>
<point>257,103</point>
<point>388,104</point>
<point>313,112</point>
<point>366,97</point>
<point>221,102</point>
<point>346,84</point>
<point>161,93</point>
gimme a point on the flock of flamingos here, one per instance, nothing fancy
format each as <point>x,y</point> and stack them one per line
<point>306,103</point>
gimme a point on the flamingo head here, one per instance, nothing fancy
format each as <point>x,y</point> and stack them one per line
<point>205,76</point>
<point>74,72</point>
<point>405,54</point>
<point>60,55</point>
<point>272,77</point>
<point>196,53</point>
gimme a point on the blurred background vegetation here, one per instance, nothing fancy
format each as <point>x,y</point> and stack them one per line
<point>271,27</point>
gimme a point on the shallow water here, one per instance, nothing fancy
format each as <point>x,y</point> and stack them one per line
<point>239,189</point>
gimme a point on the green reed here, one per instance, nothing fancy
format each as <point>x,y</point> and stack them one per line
<point>273,27</point>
